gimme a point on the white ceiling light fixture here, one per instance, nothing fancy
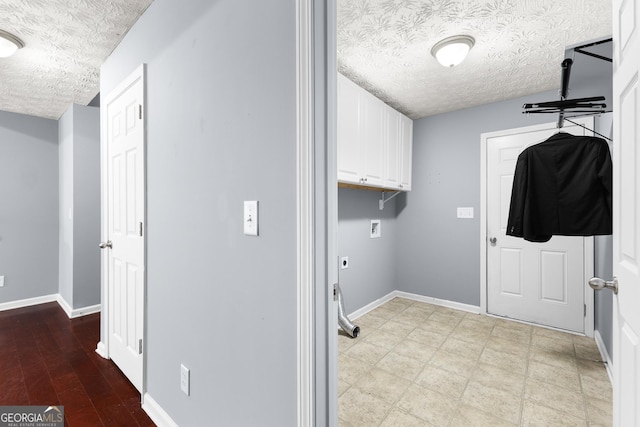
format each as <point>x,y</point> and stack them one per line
<point>451,51</point>
<point>9,44</point>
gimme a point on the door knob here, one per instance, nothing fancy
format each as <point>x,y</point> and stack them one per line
<point>106,245</point>
<point>598,284</point>
<point>493,240</point>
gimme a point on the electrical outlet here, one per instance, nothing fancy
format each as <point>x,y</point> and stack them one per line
<point>185,379</point>
<point>1,281</point>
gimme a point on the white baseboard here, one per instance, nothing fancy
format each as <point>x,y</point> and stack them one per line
<point>436,301</point>
<point>77,312</point>
<point>28,302</point>
<point>415,297</point>
<point>604,353</point>
<point>71,313</point>
<point>156,413</point>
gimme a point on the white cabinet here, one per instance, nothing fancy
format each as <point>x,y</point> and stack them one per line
<point>392,174</point>
<point>348,130</point>
<point>374,140</point>
<point>360,135</point>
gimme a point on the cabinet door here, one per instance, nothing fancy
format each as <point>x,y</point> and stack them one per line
<point>406,152</point>
<point>393,148</point>
<point>372,149</point>
<point>348,133</point>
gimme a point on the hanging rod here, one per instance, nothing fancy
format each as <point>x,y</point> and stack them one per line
<point>567,103</point>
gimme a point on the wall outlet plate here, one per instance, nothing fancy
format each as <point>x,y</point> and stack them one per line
<point>185,379</point>
<point>344,262</point>
<point>375,231</point>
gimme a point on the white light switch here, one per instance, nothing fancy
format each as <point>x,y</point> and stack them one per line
<point>1,281</point>
<point>466,213</point>
<point>251,217</point>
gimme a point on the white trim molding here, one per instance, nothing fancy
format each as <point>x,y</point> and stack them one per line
<point>77,312</point>
<point>158,415</point>
<point>608,364</point>
<point>28,302</point>
<point>305,213</point>
<point>71,313</point>
<point>101,349</point>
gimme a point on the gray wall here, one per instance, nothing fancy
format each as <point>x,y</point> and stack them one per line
<point>79,175</point>
<point>28,206</point>
<point>65,204</point>
<point>86,206</point>
<point>372,262</point>
<point>438,254</point>
<point>221,129</point>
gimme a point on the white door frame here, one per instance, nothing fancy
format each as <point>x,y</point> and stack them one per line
<point>103,346</point>
<point>588,242</point>
<point>305,212</point>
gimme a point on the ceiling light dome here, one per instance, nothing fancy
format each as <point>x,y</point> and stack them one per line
<point>452,50</point>
<point>9,44</point>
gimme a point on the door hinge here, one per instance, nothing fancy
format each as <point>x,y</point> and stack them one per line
<point>140,346</point>
<point>140,229</point>
<point>335,292</point>
<point>140,111</point>
<point>585,310</point>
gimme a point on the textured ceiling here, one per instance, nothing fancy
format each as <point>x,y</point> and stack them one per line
<point>385,47</point>
<point>66,42</point>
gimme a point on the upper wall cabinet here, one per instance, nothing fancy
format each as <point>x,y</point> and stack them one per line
<point>374,140</point>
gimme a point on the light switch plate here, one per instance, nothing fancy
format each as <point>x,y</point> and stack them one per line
<point>1,281</point>
<point>465,213</point>
<point>251,217</point>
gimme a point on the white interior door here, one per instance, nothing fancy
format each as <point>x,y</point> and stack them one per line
<point>626,213</point>
<point>124,164</point>
<point>542,283</point>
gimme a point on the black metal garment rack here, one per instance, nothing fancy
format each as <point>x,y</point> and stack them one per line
<point>578,106</point>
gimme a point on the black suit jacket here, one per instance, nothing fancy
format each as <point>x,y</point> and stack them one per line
<point>562,186</point>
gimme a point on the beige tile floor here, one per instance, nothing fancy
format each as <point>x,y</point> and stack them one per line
<point>418,364</point>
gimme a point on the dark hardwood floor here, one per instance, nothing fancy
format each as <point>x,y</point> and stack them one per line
<point>47,359</point>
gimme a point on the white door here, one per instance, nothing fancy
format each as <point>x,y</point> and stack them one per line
<point>124,213</point>
<point>542,283</point>
<point>626,213</point>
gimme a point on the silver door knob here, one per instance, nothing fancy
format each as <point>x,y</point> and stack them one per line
<point>108,244</point>
<point>493,240</point>
<point>599,284</point>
